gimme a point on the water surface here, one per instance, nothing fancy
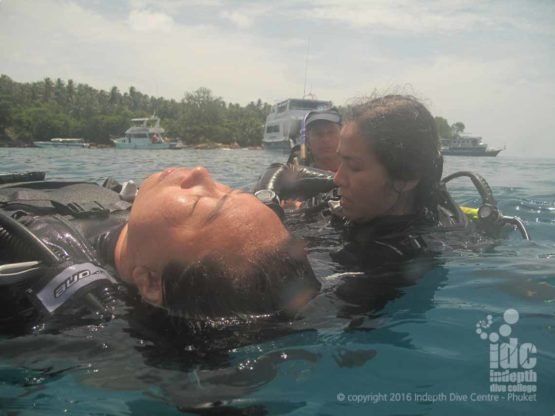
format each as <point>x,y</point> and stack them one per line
<point>422,347</point>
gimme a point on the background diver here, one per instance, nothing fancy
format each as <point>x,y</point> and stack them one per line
<point>319,140</point>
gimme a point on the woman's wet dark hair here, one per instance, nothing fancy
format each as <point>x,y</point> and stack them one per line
<point>275,282</point>
<point>403,134</point>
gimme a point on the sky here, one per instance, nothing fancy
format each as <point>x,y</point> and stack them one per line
<point>489,64</point>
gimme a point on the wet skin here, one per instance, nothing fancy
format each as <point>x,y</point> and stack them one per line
<point>323,139</point>
<point>367,190</point>
<point>183,215</point>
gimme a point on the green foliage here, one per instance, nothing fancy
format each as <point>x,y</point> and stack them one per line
<point>458,127</point>
<point>447,131</point>
<point>46,109</point>
<point>443,128</point>
<point>42,122</point>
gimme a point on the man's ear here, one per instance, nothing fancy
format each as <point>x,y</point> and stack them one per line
<point>149,284</point>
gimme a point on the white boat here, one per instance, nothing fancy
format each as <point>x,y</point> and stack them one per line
<point>63,142</point>
<point>466,146</point>
<point>283,124</point>
<point>145,133</point>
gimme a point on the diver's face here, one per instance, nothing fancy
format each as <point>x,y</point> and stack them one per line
<point>183,215</point>
<point>323,139</point>
<point>367,190</point>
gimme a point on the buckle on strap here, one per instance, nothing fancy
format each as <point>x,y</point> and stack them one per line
<point>91,209</point>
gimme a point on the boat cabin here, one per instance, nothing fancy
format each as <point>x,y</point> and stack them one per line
<point>283,124</point>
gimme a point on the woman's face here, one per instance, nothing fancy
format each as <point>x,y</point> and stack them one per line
<point>367,190</point>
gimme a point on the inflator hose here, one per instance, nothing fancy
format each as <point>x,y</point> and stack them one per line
<point>295,182</point>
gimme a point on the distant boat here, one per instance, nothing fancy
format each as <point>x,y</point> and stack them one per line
<point>467,146</point>
<point>145,133</point>
<point>63,142</point>
<point>283,124</point>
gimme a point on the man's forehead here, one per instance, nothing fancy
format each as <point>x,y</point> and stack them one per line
<point>231,201</point>
<point>323,125</point>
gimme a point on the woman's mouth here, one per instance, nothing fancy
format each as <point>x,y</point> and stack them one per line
<point>345,201</point>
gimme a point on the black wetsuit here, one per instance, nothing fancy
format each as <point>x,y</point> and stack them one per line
<point>375,259</point>
<point>384,239</point>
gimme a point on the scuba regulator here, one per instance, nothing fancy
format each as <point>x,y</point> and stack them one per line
<point>488,218</point>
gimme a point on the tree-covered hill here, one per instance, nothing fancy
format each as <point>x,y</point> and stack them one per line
<point>45,109</point>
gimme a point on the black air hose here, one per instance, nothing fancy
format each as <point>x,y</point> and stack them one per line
<point>479,182</point>
<point>16,235</point>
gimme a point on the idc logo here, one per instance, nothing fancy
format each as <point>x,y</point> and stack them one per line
<point>511,362</point>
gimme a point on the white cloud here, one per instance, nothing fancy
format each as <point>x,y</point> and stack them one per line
<point>60,39</point>
<point>396,16</point>
<point>148,21</point>
<point>419,17</point>
<point>239,19</point>
<point>245,17</point>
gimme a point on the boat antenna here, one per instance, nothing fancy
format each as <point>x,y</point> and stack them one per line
<point>306,66</point>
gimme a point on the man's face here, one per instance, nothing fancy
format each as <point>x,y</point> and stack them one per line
<point>182,214</point>
<point>323,139</point>
<point>367,191</point>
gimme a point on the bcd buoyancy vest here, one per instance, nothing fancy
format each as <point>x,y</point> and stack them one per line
<point>47,265</point>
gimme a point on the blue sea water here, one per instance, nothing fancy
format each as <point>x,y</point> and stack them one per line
<point>420,355</point>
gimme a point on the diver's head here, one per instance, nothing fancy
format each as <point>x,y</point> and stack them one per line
<point>391,160</point>
<point>322,137</point>
<point>275,280</point>
<point>184,220</point>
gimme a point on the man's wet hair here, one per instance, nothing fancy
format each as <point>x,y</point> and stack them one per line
<point>274,283</point>
<point>404,136</point>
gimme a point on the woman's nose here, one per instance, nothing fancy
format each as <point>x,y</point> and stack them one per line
<point>197,176</point>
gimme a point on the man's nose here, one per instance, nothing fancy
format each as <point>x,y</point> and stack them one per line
<point>339,178</point>
<point>196,176</point>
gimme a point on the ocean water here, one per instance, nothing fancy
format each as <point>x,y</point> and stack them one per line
<point>420,355</point>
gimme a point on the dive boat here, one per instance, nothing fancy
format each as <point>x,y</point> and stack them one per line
<point>61,142</point>
<point>283,124</point>
<point>145,133</point>
<point>467,146</point>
